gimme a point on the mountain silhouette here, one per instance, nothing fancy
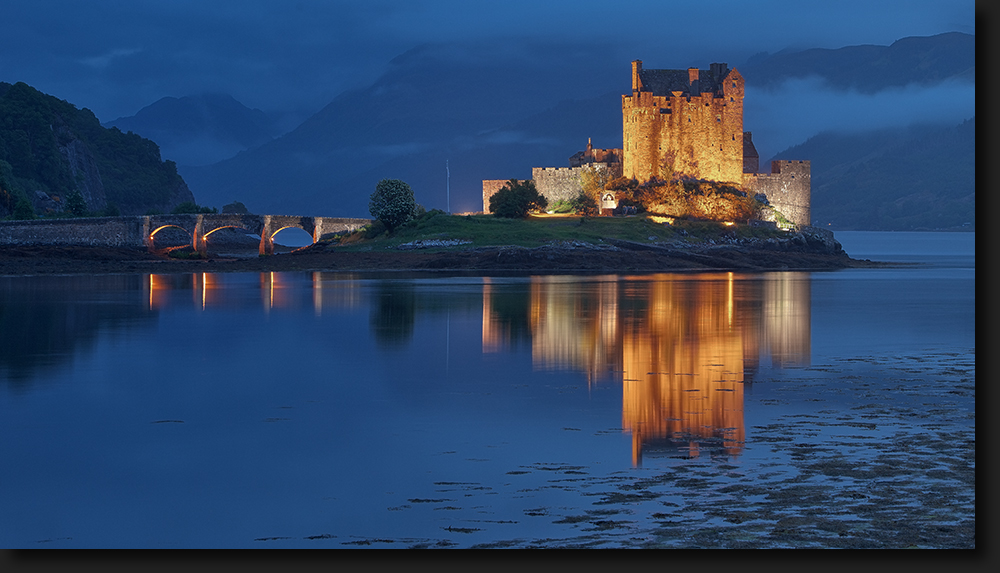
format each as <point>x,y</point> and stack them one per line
<point>494,112</point>
<point>200,129</point>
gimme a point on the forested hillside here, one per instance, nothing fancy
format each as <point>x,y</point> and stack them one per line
<point>52,155</point>
<point>907,179</point>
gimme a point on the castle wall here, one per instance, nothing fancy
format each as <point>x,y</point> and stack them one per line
<point>696,134</point>
<point>558,183</point>
<point>788,188</point>
<point>490,187</point>
<point>683,123</point>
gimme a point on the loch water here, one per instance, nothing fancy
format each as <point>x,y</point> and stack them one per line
<point>395,410</point>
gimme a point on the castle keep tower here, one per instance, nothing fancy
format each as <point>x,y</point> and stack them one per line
<point>688,122</point>
<point>685,124</point>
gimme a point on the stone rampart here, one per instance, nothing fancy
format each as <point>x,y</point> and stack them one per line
<point>490,188</point>
<point>788,189</point>
<point>558,183</point>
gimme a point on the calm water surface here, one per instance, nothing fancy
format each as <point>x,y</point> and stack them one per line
<point>351,410</point>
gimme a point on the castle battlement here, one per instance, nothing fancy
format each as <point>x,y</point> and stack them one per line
<point>684,123</point>
<point>556,170</point>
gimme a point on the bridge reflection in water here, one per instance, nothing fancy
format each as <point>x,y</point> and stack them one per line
<point>277,290</point>
<point>683,346</point>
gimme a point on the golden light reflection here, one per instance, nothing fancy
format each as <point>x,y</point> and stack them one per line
<point>660,219</point>
<point>159,289</point>
<point>267,290</point>
<point>334,290</point>
<point>276,291</point>
<point>574,332</point>
<point>203,286</point>
<point>683,345</point>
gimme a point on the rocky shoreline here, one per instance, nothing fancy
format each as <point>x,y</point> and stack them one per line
<point>800,251</point>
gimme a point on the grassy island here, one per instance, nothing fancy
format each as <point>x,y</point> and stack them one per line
<point>483,245</point>
<point>437,230</point>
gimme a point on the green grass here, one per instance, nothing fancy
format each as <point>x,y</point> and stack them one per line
<point>487,230</point>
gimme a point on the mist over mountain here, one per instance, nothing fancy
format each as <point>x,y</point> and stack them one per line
<point>917,178</point>
<point>200,129</point>
<point>435,102</point>
<point>869,69</point>
<point>493,112</point>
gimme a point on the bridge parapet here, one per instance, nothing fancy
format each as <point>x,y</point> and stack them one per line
<point>139,231</point>
<point>93,231</point>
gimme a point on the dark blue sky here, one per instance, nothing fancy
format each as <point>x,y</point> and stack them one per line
<point>293,57</point>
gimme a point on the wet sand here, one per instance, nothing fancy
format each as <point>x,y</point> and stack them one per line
<point>872,452</point>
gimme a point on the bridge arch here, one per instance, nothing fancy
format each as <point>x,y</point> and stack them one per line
<point>292,235</point>
<point>152,234</point>
<point>227,227</point>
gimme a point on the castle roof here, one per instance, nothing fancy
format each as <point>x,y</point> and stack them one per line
<point>662,82</point>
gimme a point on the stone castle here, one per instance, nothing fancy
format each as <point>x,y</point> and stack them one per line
<point>683,123</point>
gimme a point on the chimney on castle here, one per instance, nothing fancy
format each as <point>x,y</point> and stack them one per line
<point>636,82</point>
<point>719,71</point>
<point>693,80</point>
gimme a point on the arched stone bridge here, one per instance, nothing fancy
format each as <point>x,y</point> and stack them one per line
<point>265,226</point>
<point>141,231</point>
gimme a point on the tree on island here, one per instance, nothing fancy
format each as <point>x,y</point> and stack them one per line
<point>192,208</point>
<point>236,207</point>
<point>76,204</point>
<point>593,182</point>
<point>392,203</point>
<point>23,210</point>
<point>516,199</point>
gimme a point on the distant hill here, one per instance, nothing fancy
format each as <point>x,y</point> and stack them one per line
<point>49,149</point>
<point>435,103</point>
<point>200,129</point>
<point>869,69</point>
<point>909,179</point>
<point>495,114</point>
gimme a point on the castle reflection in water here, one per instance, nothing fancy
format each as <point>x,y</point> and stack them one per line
<point>683,346</point>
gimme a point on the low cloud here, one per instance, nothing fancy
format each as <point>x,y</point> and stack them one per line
<point>801,108</point>
<point>105,60</point>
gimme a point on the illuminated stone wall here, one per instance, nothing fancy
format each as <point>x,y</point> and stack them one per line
<point>558,183</point>
<point>788,188</point>
<point>490,188</point>
<point>688,122</point>
<point>685,123</point>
